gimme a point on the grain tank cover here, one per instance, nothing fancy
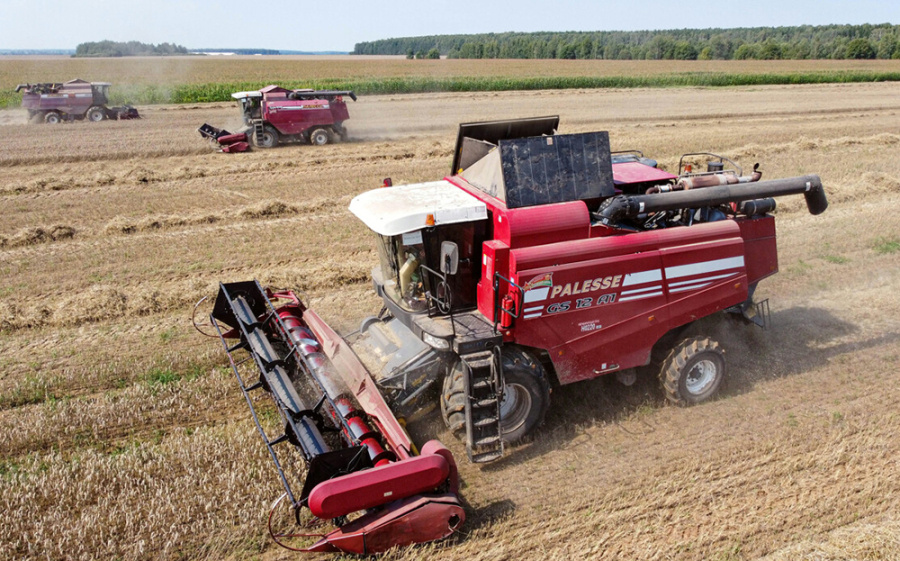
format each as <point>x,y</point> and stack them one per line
<point>492,132</point>
<point>545,169</point>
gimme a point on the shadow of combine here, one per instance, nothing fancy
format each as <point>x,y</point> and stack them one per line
<point>799,340</point>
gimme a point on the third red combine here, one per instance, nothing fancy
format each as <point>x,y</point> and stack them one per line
<point>542,259</point>
<point>75,100</point>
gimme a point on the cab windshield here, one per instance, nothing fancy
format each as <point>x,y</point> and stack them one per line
<point>405,257</point>
<point>401,257</point>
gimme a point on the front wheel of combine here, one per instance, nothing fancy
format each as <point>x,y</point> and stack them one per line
<point>525,399</point>
<point>52,118</point>
<point>693,371</point>
<point>95,114</point>
<point>268,138</point>
<point>318,137</point>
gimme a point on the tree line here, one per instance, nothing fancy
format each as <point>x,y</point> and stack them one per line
<point>130,48</point>
<point>866,41</point>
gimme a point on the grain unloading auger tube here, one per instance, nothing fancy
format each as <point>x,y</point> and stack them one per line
<point>361,464</point>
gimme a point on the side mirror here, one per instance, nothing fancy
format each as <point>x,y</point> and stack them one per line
<point>449,258</point>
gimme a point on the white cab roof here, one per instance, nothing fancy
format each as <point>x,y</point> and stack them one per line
<point>390,211</point>
<point>242,95</point>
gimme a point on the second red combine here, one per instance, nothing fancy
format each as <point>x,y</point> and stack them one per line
<point>275,114</point>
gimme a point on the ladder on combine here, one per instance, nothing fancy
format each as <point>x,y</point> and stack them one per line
<point>484,388</point>
<point>258,131</point>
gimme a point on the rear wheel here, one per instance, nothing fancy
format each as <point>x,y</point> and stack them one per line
<point>693,371</point>
<point>269,138</point>
<point>318,137</point>
<point>526,396</point>
<point>340,131</point>
<point>52,118</point>
<point>95,114</point>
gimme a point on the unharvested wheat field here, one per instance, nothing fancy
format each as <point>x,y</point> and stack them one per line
<point>169,71</point>
<point>123,437</point>
<point>152,80</point>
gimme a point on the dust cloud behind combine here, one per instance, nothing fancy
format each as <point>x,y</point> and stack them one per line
<point>123,436</point>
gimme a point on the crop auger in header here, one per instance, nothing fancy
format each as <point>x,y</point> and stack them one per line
<point>359,457</point>
<point>542,259</point>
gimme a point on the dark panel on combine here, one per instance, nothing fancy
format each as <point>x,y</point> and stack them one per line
<point>495,131</point>
<point>556,169</point>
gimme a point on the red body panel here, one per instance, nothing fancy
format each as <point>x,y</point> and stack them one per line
<point>599,304</point>
<point>414,520</point>
<point>762,250</point>
<point>536,225</point>
<point>636,172</point>
<point>295,116</point>
<point>74,98</point>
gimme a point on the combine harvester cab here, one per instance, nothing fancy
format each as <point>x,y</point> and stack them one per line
<point>362,473</point>
<point>275,114</point>
<point>74,100</point>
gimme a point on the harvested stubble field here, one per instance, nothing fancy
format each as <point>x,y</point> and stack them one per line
<point>123,437</point>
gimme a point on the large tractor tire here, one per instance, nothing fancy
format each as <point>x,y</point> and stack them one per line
<point>693,371</point>
<point>318,137</point>
<point>526,396</point>
<point>52,118</point>
<point>95,114</point>
<point>269,138</point>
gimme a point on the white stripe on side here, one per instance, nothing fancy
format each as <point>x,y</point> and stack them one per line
<point>716,277</point>
<point>640,296</point>
<point>704,267</point>
<point>687,288</point>
<point>642,277</point>
<point>639,290</point>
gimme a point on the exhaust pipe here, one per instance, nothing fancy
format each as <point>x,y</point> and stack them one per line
<point>707,180</point>
<point>620,207</point>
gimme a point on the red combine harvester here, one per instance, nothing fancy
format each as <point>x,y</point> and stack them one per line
<point>275,114</point>
<point>74,100</point>
<point>542,259</point>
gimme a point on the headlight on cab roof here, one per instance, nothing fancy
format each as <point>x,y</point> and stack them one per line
<point>436,342</point>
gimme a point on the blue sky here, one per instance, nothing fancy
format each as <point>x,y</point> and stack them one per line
<point>338,25</point>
